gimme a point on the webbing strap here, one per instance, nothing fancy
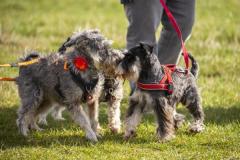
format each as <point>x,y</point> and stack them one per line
<point>179,33</point>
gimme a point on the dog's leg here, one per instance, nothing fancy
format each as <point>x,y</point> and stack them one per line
<point>165,119</point>
<point>27,119</point>
<point>93,111</point>
<point>56,113</point>
<point>23,120</point>
<point>42,117</point>
<point>31,98</point>
<point>179,119</point>
<point>80,117</point>
<point>192,100</point>
<point>33,123</point>
<point>133,118</point>
<point>43,110</point>
<point>114,121</point>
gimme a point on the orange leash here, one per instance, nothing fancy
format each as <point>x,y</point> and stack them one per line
<point>7,79</point>
<point>26,63</point>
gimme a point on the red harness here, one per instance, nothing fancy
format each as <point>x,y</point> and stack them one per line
<point>165,84</point>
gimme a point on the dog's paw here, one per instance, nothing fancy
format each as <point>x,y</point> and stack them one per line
<point>34,126</point>
<point>196,127</point>
<point>24,131</point>
<point>99,128</point>
<point>129,135</point>
<point>179,119</point>
<point>99,135</point>
<point>92,137</point>
<point>165,138</point>
<point>115,130</point>
<point>43,122</point>
<point>59,118</point>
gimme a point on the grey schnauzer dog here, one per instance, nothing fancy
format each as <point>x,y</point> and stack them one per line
<point>46,84</point>
<point>141,65</point>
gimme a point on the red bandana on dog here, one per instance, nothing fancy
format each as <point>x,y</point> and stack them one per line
<point>80,63</point>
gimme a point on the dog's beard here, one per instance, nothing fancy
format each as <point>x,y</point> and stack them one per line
<point>131,72</point>
<point>110,63</point>
<point>96,60</point>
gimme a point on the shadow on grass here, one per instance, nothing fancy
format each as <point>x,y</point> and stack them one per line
<point>73,136</point>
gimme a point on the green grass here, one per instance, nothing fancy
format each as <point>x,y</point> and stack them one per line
<point>43,25</point>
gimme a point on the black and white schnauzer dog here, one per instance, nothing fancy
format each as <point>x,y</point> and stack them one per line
<point>69,80</point>
<point>143,67</point>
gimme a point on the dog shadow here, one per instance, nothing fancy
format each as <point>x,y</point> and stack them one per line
<point>74,136</point>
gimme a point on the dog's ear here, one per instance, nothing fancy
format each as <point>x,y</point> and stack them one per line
<point>148,48</point>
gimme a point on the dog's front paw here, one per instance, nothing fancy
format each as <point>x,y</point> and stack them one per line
<point>130,134</point>
<point>24,131</point>
<point>165,138</point>
<point>99,135</point>
<point>42,122</point>
<point>115,130</point>
<point>179,119</point>
<point>34,126</point>
<point>59,118</point>
<point>165,135</point>
<point>92,137</point>
<point>196,127</point>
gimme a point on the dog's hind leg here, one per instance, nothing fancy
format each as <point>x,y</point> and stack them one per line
<point>165,119</point>
<point>42,117</point>
<point>192,100</point>
<point>133,118</point>
<point>56,113</point>
<point>33,123</point>
<point>93,111</point>
<point>179,119</point>
<point>23,121</point>
<point>31,98</point>
<point>80,117</point>
<point>114,113</point>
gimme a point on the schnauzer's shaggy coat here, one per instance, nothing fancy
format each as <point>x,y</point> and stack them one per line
<point>46,84</point>
<point>140,64</point>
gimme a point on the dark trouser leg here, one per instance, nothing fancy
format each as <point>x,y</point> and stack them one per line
<point>144,18</point>
<point>169,45</point>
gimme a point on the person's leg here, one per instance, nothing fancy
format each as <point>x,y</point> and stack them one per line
<point>144,18</point>
<point>169,45</point>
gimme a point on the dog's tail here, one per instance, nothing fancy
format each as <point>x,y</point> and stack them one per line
<point>29,57</point>
<point>195,67</point>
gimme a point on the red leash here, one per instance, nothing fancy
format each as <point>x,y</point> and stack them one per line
<point>179,33</point>
<point>166,83</point>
